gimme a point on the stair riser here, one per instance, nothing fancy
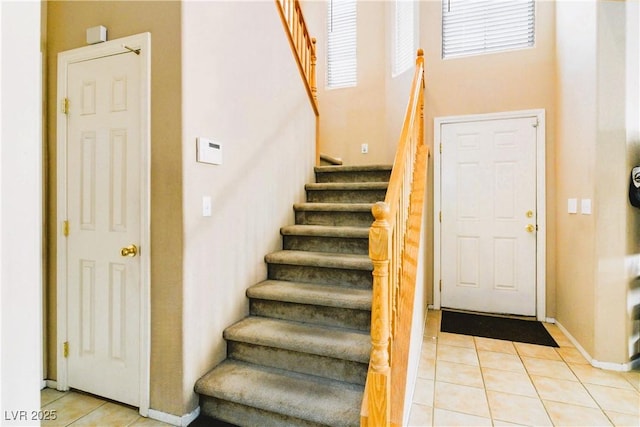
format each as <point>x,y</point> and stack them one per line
<point>343,245</point>
<point>243,415</point>
<point>364,176</point>
<point>328,276</point>
<point>345,196</point>
<point>319,315</point>
<point>303,363</point>
<point>355,219</point>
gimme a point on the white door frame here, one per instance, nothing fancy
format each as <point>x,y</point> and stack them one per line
<point>113,47</point>
<point>539,114</point>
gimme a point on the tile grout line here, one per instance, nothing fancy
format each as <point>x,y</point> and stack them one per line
<point>484,383</point>
<point>63,394</point>
<point>104,402</point>
<point>435,369</point>
<point>604,412</point>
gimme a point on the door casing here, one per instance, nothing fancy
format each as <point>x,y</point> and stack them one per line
<point>113,47</point>
<point>539,114</point>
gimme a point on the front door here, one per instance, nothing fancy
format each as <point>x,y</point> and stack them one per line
<point>488,223</point>
<point>104,226</point>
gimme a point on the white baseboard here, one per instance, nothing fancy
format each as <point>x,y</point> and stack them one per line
<point>175,420</point>
<point>51,384</point>
<point>610,366</point>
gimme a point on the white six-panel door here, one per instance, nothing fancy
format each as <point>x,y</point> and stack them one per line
<point>103,205</point>
<point>489,216</point>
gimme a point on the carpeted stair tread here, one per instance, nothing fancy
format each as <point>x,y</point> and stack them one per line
<point>347,186</point>
<point>325,231</point>
<point>312,294</point>
<point>364,168</point>
<point>300,358</point>
<point>327,402</point>
<point>320,259</point>
<point>337,343</point>
<point>331,207</point>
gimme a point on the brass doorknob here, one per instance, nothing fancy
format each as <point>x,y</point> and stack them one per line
<point>131,250</point>
<point>530,228</point>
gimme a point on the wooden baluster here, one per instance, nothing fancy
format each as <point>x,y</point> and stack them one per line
<point>291,15</point>
<point>305,56</point>
<point>378,390</point>
<point>298,35</point>
<point>420,62</point>
<point>312,78</point>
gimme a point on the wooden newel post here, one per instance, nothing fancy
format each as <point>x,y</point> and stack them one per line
<point>379,390</point>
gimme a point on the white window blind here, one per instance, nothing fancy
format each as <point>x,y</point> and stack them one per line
<point>341,43</point>
<point>471,27</point>
<point>404,36</point>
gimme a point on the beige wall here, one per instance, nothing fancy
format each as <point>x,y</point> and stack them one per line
<point>353,116</point>
<point>242,88</point>
<point>66,24</point>
<point>575,156</point>
<point>596,149</point>
<point>633,159</point>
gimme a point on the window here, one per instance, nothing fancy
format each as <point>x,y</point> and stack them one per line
<point>472,27</point>
<point>404,43</point>
<point>341,43</point>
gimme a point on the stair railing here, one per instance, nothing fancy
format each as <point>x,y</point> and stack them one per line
<point>394,240</point>
<point>304,50</point>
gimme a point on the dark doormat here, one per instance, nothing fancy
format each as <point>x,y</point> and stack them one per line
<point>501,328</point>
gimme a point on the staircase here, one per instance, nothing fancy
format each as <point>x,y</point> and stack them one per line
<point>301,357</point>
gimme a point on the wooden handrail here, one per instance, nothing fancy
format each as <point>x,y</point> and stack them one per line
<point>304,51</point>
<point>302,44</point>
<point>394,240</point>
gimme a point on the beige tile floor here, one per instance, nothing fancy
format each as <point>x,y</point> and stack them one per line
<point>473,381</point>
<point>77,409</point>
<point>462,381</point>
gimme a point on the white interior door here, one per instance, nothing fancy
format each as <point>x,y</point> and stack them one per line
<point>104,205</point>
<point>489,216</point>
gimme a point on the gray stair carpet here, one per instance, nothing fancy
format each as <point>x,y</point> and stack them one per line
<point>301,357</point>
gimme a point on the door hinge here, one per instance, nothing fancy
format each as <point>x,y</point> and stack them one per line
<point>440,216</point>
<point>441,148</point>
<point>65,228</point>
<point>65,349</point>
<point>65,105</point>
<point>440,285</point>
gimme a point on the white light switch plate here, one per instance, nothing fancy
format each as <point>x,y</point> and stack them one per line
<point>206,205</point>
<point>572,206</point>
<point>585,206</point>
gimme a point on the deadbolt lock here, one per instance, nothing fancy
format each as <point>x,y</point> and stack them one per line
<point>529,214</point>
